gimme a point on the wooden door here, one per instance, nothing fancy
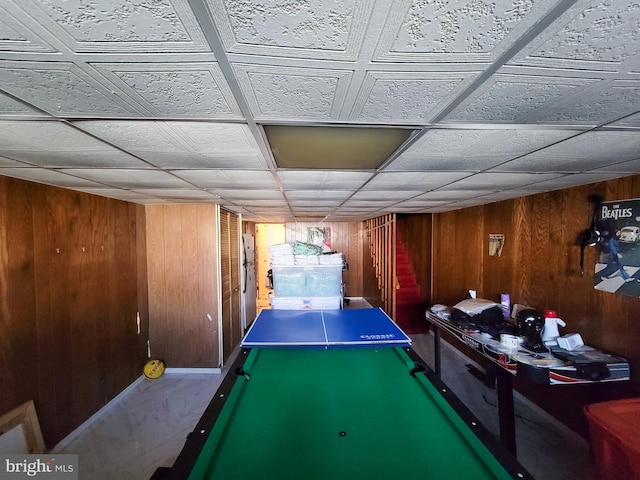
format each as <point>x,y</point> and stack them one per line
<point>230,276</point>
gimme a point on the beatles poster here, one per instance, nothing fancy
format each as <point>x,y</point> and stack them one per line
<point>618,249</point>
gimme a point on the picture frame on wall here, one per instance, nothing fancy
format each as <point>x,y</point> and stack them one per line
<point>617,268</point>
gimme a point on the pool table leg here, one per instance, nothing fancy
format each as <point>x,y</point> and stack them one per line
<point>436,350</point>
<point>506,412</point>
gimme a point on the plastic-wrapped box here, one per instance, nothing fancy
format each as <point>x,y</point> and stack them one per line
<point>288,303</point>
<point>615,438</point>
<point>306,303</point>
<point>324,281</point>
<point>307,280</point>
<point>325,303</point>
<point>288,281</point>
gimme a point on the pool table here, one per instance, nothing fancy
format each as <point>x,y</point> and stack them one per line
<point>338,413</point>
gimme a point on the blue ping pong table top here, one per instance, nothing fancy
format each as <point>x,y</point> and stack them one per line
<point>324,328</point>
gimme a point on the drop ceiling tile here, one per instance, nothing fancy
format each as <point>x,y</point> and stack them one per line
<point>50,177</point>
<point>630,167</point>
<point>585,152</point>
<point>294,195</point>
<point>182,144</point>
<point>63,89</point>
<point>274,92</point>
<point>418,203</point>
<point>590,35</point>
<point>178,90</point>
<point>450,195</point>
<point>629,121</point>
<point>10,107</point>
<point>175,137</point>
<point>396,195</point>
<point>572,180</point>
<point>323,30</point>
<point>475,150</point>
<point>413,180</point>
<point>253,194</point>
<point>463,31</point>
<point>372,204</point>
<point>178,194</point>
<point>508,98</point>
<point>207,137</point>
<point>609,102</point>
<point>109,26</point>
<point>9,162</point>
<point>212,179</point>
<point>406,97</point>
<point>16,36</point>
<point>315,203</point>
<point>129,178</point>
<point>500,181</point>
<point>112,158</point>
<point>321,179</point>
<point>120,194</point>
<point>46,136</point>
<point>263,203</point>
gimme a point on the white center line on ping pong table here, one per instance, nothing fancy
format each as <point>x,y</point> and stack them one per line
<point>324,327</point>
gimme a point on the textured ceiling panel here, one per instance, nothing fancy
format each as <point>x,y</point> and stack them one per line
<point>170,100</point>
<point>178,90</point>
<point>62,89</point>
<point>590,35</point>
<point>228,178</point>
<point>406,98</point>
<point>112,26</point>
<point>476,149</point>
<point>128,178</point>
<point>331,29</point>
<point>517,98</point>
<point>467,30</point>
<point>275,92</point>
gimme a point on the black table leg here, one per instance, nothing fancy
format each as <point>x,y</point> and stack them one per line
<point>436,350</point>
<point>506,412</point>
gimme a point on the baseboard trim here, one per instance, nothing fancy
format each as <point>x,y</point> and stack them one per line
<point>87,423</point>
<point>204,371</point>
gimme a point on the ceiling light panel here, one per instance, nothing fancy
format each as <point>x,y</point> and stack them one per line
<point>333,147</point>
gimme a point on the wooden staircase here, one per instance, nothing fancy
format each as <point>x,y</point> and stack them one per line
<point>410,308</point>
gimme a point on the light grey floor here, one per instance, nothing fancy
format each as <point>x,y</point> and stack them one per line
<point>146,426</point>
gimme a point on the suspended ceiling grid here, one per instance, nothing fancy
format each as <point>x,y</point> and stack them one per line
<point>158,101</point>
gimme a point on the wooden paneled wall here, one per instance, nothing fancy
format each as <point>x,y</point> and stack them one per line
<point>346,238</point>
<point>182,283</point>
<point>539,267</point>
<point>68,303</point>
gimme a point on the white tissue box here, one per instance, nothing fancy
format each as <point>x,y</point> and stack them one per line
<point>570,341</point>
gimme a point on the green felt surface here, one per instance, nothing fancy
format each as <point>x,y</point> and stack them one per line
<point>344,413</point>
